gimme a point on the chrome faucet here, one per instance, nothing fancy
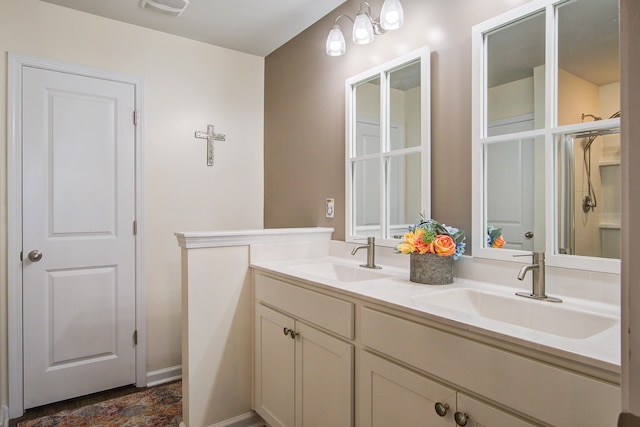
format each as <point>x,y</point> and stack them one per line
<point>537,268</point>
<point>371,253</point>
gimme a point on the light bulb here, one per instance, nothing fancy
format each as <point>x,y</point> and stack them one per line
<point>391,15</point>
<point>362,29</point>
<point>336,45</point>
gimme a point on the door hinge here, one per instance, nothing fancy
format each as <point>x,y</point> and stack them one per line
<point>135,338</point>
<point>135,118</point>
<point>20,256</point>
<point>135,227</point>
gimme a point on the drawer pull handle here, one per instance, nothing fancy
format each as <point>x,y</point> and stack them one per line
<point>286,331</point>
<point>461,419</point>
<point>442,409</point>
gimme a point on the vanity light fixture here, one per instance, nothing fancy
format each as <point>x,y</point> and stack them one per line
<point>365,26</point>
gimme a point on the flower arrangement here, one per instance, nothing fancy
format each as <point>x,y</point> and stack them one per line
<point>494,237</point>
<point>429,236</point>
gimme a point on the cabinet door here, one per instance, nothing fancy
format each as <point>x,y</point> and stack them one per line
<point>274,367</point>
<point>483,415</point>
<point>390,395</point>
<point>324,379</point>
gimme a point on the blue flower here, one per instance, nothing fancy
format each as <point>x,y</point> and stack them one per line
<point>459,250</point>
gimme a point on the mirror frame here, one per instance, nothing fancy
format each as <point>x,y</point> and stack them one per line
<point>382,71</point>
<point>550,130</point>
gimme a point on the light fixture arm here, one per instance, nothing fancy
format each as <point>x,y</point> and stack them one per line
<point>377,28</point>
<point>343,16</point>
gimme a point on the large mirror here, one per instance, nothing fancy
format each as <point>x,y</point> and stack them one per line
<point>387,140</point>
<point>546,122</point>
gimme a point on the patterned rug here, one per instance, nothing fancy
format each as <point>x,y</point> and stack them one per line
<point>159,406</point>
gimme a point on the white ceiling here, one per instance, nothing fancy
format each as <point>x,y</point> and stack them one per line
<point>257,27</point>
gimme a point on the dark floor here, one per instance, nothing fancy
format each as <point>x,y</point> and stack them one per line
<point>78,402</point>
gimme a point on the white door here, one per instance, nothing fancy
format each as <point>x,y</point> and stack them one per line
<point>391,395</point>
<point>510,183</point>
<point>78,213</point>
<point>483,415</point>
<point>324,379</point>
<point>274,367</point>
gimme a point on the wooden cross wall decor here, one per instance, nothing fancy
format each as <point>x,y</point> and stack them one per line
<point>210,136</point>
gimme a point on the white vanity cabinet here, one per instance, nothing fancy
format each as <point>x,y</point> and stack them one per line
<point>327,358</point>
<point>521,385</point>
<point>390,394</point>
<point>303,371</point>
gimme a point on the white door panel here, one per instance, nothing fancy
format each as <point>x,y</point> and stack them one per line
<point>510,180</point>
<point>78,210</point>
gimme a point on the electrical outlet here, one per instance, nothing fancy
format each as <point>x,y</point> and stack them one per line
<point>329,208</point>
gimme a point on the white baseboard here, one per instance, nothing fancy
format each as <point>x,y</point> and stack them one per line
<point>4,416</point>
<point>250,419</point>
<point>162,376</point>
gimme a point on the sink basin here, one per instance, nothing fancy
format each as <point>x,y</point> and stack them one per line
<point>556,319</point>
<point>340,272</point>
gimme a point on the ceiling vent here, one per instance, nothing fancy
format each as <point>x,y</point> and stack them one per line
<point>169,7</point>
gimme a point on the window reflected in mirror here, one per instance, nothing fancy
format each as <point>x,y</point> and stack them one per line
<point>515,82</point>
<point>588,171</point>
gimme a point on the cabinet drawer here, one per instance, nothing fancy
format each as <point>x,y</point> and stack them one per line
<point>548,393</point>
<point>327,312</point>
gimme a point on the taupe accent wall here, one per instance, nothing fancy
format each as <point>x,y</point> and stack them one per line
<point>305,109</point>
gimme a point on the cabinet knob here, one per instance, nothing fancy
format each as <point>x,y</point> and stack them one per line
<point>461,419</point>
<point>441,408</point>
<point>291,332</point>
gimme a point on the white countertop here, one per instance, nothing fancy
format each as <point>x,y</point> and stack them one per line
<point>601,350</point>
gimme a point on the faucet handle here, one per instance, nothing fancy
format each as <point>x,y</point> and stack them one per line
<point>537,256</point>
<point>521,255</point>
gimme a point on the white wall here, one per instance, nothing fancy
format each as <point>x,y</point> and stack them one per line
<point>188,85</point>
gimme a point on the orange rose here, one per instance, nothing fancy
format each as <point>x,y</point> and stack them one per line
<point>498,243</point>
<point>421,246</point>
<point>444,245</point>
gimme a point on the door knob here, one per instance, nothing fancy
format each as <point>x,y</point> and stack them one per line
<point>35,255</point>
<point>528,234</point>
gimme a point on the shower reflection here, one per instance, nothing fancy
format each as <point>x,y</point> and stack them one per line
<point>589,192</point>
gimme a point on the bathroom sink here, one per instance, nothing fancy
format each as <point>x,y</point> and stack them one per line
<point>340,272</point>
<point>556,319</point>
